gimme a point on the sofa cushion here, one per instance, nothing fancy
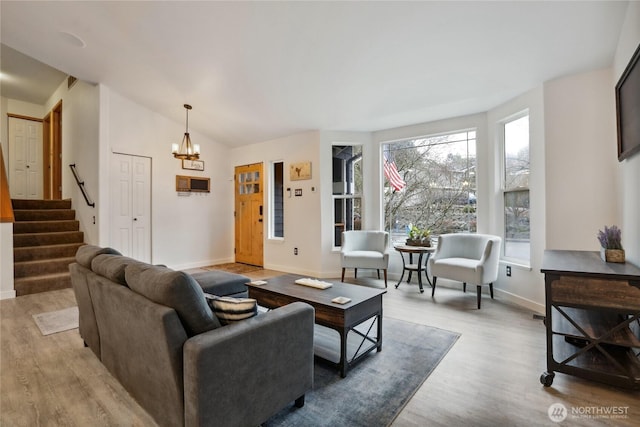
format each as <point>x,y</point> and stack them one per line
<point>87,253</point>
<point>175,289</point>
<point>229,310</point>
<point>221,283</point>
<point>112,266</point>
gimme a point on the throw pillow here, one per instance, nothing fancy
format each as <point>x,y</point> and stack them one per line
<point>229,310</point>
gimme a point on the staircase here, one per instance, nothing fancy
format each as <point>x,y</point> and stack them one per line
<point>46,237</point>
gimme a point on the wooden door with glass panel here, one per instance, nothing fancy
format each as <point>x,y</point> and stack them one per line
<point>249,214</point>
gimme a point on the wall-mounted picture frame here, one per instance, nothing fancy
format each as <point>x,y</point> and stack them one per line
<point>194,165</point>
<point>300,171</point>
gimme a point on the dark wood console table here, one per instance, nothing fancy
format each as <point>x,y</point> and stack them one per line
<point>592,318</point>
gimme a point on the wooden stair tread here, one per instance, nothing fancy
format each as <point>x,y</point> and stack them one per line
<point>41,204</point>
<point>45,226</point>
<point>49,238</point>
<point>43,283</point>
<point>41,267</point>
<point>40,277</point>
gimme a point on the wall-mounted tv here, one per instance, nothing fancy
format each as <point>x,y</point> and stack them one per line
<point>628,108</point>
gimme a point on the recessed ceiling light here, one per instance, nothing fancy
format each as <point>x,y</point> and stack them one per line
<point>72,39</point>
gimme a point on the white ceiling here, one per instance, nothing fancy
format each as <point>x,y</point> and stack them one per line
<point>27,79</point>
<point>255,71</point>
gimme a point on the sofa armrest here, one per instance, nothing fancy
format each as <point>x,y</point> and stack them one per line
<point>243,373</point>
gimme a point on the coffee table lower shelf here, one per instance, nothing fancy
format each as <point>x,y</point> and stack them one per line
<point>359,319</point>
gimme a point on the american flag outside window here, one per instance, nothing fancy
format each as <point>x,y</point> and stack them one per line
<point>391,172</point>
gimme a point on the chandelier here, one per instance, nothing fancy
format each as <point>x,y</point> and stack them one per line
<point>186,150</point>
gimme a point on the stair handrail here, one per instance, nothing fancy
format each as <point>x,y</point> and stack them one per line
<point>81,185</point>
<point>6,209</point>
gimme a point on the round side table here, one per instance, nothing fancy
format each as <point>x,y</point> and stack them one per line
<point>418,267</point>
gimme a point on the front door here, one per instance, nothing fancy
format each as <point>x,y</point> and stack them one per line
<point>248,214</point>
<point>131,206</point>
<point>25,158</point>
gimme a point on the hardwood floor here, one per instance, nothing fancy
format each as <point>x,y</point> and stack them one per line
<point>489,378</point>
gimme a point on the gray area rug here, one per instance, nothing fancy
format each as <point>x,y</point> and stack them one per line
<point>57,321</point>
<point>375,390</point>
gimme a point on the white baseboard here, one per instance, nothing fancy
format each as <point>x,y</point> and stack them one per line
<point>504,295</point>
<point>537,308</point>
<point>200,264</point>
<point>7,295</point>
<point>293,270</point>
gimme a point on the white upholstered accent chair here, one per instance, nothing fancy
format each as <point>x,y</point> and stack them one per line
<point>365,249</point>
<point>466,258</point>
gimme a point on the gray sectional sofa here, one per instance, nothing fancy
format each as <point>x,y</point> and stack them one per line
<point>153,330</point>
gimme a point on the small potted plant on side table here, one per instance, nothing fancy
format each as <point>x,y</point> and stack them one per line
<point>611,244</point>
<point>419,236</point>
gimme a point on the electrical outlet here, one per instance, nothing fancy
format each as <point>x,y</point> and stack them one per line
<point>508,271</point>
<point>295,251</point>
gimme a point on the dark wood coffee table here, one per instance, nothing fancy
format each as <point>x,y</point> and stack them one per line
<point>365,304</point>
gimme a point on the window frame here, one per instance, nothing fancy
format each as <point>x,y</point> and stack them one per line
<point>471,136</point>
<point>355,195</point>
<point>504,191</point>
<point>272,202</point>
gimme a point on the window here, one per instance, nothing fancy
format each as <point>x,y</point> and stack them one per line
<point>276,225</point>
<point>437,185</point>
<point>517,243</point>
<point>347,190</point>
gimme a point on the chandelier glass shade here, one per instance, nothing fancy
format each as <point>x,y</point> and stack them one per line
<point>186,150</point>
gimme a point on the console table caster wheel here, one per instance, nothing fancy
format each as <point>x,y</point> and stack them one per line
<point>546,379</point>
<point>422,291</point>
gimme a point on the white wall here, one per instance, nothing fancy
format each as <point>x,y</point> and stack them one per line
<point>79,146</point>
<point>4,130</point>
<point>581,159</point>
<point>6,261</point>
<point>187,231</point>
<point>302,215</point>
<point>629,169</point>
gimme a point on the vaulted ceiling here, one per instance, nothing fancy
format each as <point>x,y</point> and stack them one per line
<point>255,71</point>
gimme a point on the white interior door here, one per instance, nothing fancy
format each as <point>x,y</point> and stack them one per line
<point>131,206</point>
<point>25,158</point>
